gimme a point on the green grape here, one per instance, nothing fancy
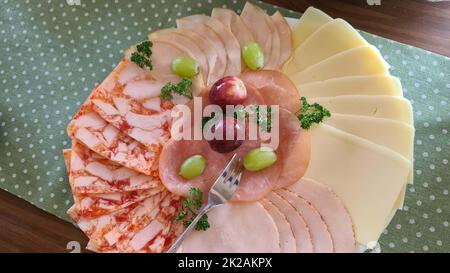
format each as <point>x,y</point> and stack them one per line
<point>192,167</point>
<point>185,67</point>
<point>253,56</point>
<point>259,158</point>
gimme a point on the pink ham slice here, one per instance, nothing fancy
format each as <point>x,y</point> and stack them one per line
<point>287,239</point>
<point>91,173</point>
<point>144,226</point>
<point>173,35</point>
<point>275,87</point>
<point>236,228</point>
<point>331,209</point>
<point>265,32</point>
<point>234,23</point>
<point>256,21</point>
<point>320,237</point>
<point>301,231</point>
<point>106,140</point>
<point>214,39</point>
<point>231,44</point>
<point>285,33</point>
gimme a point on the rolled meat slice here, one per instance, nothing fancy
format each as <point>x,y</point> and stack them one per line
<point>320,236</point>
<point>236,228</point>
<point>91,173</point>
<point>331,209</point>
<point>285,33</point>
<point>106,140</point>
<point>287,239</point>
<point>301,231</point>
<point>275,87</point>
<point>231,44</point>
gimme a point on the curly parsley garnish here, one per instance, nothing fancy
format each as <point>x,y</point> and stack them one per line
<point>182,88</point>
<point>312,113</point>
<point>142,56</point>
<point>189,211</point>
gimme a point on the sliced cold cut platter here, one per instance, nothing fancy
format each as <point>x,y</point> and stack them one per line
<point>325,171</point>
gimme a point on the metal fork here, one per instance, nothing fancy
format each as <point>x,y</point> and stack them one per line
<point>221,191</point>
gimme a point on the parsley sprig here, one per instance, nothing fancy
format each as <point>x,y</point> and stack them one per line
<point>183,88</point>
<point>189,211</point>
<point>142,56</point>
<point>312,113</point>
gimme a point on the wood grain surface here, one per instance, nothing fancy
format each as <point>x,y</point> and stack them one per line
<point>25,228</point>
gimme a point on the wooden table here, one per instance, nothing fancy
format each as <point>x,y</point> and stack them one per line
<point>25,228</point>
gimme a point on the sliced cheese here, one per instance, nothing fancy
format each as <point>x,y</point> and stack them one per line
<point>353,85</point>
<point>395,135</point>
<point>311,20</point>
<point>366,176</point>
<point>389,107</point>
<point>359,61</point>
<point>330,39</point>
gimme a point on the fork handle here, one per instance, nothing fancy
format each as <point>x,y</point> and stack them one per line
<point>189,229</point>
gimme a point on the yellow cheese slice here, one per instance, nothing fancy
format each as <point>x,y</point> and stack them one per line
<point>330,39</point>
<point>366,176</point>
<point>359,61</point>
<point>353,85</point>
<point>311,20</point>
<point>395,135</point>
<point>389,107</point>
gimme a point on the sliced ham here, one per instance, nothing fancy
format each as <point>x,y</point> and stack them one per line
<point>286,235</point>
<point>301,231</point>
<point>236,228</point>
<point>265,33</point>
<point>235,24</point>
<point>285,33</point>
<point>320,236</point>
<point>106,140</point>
<point>176,36</point>
<point>275,87</point>
<point>231,44</point>
<point>207,33</point>
<point>332,210</point>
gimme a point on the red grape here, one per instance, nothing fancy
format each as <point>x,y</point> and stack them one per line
<point>228,91</point>
<point>220,128</point>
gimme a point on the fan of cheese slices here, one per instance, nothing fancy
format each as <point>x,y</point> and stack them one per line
<point>361,158</point>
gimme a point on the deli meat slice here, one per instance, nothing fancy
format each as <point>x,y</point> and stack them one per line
<point>275,87</point>
<point>331,209</point>
<point>320,236</point>
<point>236,228</point>
<point>265,33</point>
<point>285,33</point>
<point>205,31</point>
<point>144,226</point>
<point>129,100</point>
<point>93,205</point>
<point>231,44</point>
<point>106,140</point>
<point>287,239</point>
<point>176,36</point>
<point>300,229</point>
<point>91,173</point>
<point>239,29</point>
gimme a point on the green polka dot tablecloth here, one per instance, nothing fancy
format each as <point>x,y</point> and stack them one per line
<point>53,54</point>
